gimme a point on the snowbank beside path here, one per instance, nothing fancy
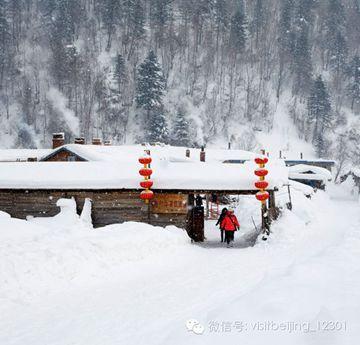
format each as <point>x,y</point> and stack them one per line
<point>54,253</point>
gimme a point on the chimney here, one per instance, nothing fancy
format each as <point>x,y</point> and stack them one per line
<point>280,154</point>
<point>301,155</point>
<point>107,142</point>
<point>262,151</point>
<point>229,146</point>
<point>79,141</point>
<point>202,154</point>
<point>58,140</point>
<point>187,153</point>
<point>96,141</point>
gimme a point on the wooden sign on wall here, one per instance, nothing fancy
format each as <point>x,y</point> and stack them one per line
<point>169,203</point>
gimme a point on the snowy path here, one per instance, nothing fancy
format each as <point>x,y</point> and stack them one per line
<point>308,271</point>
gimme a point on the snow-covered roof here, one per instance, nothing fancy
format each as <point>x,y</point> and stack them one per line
<point>16,155</point>
<point>173,153</point>
<point>167,175</point>
<point>308,172</point>
<point>301,187</point>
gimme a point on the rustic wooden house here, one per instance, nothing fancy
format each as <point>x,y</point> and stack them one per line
<point>108,175</point>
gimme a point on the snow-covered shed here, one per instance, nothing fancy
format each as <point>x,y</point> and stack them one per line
<point>313,176</point>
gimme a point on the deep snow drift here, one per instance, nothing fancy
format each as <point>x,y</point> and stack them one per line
<point>64,283</point>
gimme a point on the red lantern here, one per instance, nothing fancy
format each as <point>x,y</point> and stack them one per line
<point>145,160</point>
<point>145,172</point>
<point>261,172</point>
<point>259,160</point>
<point>147,184</point>
<point>262,196</point>
<point>146,195</point>
<point>261,184</point>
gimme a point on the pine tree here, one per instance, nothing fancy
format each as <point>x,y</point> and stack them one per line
<point>181,130</point>
<point>319,113</point>
<point>353,86</point>
<point>320,145</point>
<point>150,88</point>
<point>238,30</point>
<point>157,130</point>
<point>150,85</point>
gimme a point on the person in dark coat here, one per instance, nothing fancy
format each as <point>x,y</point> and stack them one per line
<point>219,221</point>
<point>230,224</point>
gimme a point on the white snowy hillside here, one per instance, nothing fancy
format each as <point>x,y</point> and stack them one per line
<point>276,74</point>
<point>63,282</point>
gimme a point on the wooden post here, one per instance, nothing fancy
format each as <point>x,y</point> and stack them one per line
<point>202,154</point>
<point>272,206</point>
<point>289,204</point>
<point>207,198</point>
<point>265,224</point>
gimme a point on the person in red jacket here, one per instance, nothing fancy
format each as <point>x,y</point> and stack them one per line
<point>230,224</point>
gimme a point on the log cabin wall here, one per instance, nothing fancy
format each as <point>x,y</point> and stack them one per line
<point>63,156</point>
<point>108,206</point>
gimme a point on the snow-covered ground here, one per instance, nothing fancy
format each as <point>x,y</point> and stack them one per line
<point>63,283</point>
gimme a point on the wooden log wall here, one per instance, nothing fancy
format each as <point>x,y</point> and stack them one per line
<point>108,206</point>
<point>63,156</point>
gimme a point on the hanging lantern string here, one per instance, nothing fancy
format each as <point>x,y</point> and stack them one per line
<point>146,172</point>
<point>262,195</point>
